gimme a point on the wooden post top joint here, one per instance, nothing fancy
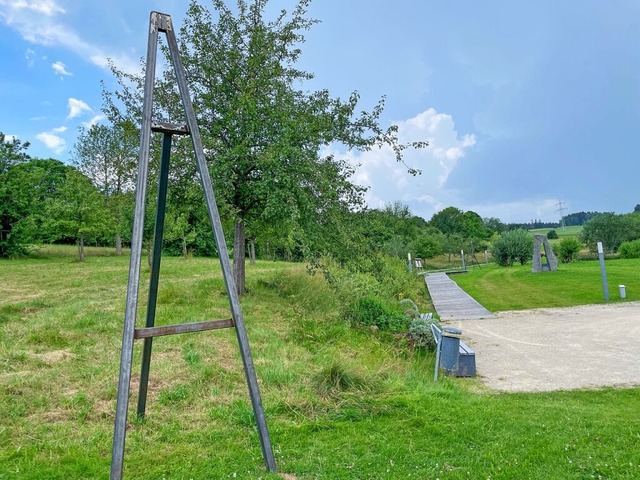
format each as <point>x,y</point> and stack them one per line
<point>170,128</point>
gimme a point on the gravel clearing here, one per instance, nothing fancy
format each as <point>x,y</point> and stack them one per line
<point>545,349</point>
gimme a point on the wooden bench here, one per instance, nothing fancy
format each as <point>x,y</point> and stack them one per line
<point>466,356</point>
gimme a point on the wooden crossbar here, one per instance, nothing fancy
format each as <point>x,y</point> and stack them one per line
<point>170,128</point>
<point>148,332</point>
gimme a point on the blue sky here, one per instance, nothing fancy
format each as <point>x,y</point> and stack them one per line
<point>526,104</point>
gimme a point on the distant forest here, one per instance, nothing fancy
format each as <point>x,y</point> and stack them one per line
<point>573,219</point>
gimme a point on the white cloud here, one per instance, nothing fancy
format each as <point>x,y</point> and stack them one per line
<point>39,22</point>
<point>60,69</point>
<point>77,108</point>
<point>95,119</point>
<point>29,55</point>
<point>46,7</point>
<point>429,193</point>
<point>60,129</point>
<point>52,141</point>
<point>390,181</point>
<point>444,145</point>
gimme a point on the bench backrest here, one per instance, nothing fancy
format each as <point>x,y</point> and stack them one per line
<point>437,333</point>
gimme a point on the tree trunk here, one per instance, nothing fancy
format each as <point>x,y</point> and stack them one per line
<point>118,244</point>
<point>81,249</point>
<point>185,252</point>
<point>252,251</point>
<point>238,257</point>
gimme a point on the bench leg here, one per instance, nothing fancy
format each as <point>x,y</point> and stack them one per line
<point>435,374</point>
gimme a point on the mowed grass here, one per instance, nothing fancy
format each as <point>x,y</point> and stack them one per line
<point>577,283</point>
<point>340,402</point>
<point>563,232</point>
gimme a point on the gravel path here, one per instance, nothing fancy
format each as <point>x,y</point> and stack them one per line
<point>588,346</point>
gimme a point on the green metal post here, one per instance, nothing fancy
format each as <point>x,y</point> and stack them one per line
<point>155,271</point>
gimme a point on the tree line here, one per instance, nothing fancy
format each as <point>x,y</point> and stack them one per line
<point>91,200</point>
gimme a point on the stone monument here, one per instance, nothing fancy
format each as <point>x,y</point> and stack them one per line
<point>541,242</point>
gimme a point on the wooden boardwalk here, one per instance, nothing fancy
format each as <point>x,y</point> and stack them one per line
<point>450,301</point>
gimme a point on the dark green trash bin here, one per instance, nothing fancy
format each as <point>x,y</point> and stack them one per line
<point>449,353</point>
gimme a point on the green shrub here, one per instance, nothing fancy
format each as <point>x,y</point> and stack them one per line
<point>420,333</point>
<point>630,249</point>
<point>375,312</point>
<point>552,235</point>
<point>568,249</point>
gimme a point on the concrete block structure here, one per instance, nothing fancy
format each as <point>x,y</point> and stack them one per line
<point>541,246</point>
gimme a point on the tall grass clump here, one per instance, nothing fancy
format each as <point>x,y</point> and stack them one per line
<point>310,294</point>
<point>339,378</point>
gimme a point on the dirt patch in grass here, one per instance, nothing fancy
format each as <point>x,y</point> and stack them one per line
<point>55,415</point>
<point>54,356</point>
<point>103,409</point>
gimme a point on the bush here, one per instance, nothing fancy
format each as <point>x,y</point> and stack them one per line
<point>374,312</point>
<point>568,249</point>
<point>420,333</point>
<point>630,249</point>
<point>515,245</point>
<point>552,235</point>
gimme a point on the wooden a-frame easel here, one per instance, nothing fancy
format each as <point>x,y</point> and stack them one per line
<point>162,23</point>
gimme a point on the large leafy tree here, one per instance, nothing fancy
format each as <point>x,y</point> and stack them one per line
<point>77,212</point>
<point>12,152</point>
<point>450,221</point>
<point>474,227</point>
<point>261,129</point>
<point>611,229</point>
<point>28,187</point>
<point>494,224</point>
<point>464,231</point>
<point>25,185</point>
<point>106,154</point>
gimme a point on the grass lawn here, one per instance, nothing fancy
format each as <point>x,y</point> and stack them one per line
<point>341,403</point>
<point>571,231</point>
<point>578,283</point>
